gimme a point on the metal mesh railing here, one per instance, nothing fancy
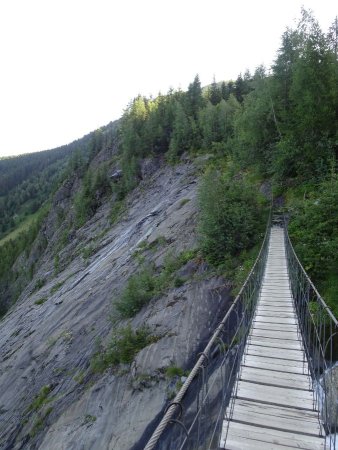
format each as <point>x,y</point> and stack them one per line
<point>319,329</point>
<point>194,419</point>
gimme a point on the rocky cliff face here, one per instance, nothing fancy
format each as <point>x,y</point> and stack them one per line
<point>50,399</point>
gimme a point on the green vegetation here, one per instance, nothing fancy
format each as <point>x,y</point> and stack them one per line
<point>89,419</point>
<point>79,377</point>
<point>174,371</point>
<point>56,287</point>
<point>124,345</point>
<point>314,229</point>
<point>41,399</point>
<point>139,290</point>
<point>230,217</point>
<point>117,210</point>
<point>39,284</point>
<point>22,228</point>
<point>40,421</point>
<point>87,252</point>
<point>26,184</point>
<point>147,284</point>
<point>94,186</point>
<point>281,126</point>
<point>41,301</point>
<point>183,202</point>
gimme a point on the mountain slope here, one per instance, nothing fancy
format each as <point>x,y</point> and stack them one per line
<point>48,345</point>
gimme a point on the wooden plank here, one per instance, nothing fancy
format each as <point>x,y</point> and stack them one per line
<point>286,336</point>
<point>269,309</point>
<point>276,288</point>
<point>272,279</point>
<point>276,298</point>
<point>268,377</point>
<point>275,395</point>
<point>268,342</point>
<point>275,331</point>
<point>277,417</point>
<point>275,303</point>
<point>278,320</point>
<point>273,352</point>
<point>276,313</point>
<point>275,364</point>
<point>270,325</point>
<point>254,436</point>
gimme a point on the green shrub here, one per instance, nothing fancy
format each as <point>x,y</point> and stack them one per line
<point>41,300</point>
<point>230,217</point>
<point>39,422</point>
<point>139,290</point>
<point>178,282</point>
<point>117,210</point>
<point>40,399</point>
<point>88,418</point>
<point>87,252</point>
<point>183,202</point>
<point>314,233</point>
<point>146,284</point>
<point>56,287</point>
<point>57,264</point>
<point>39,284</point>
<point>123,347</point>
<point>174,371</point>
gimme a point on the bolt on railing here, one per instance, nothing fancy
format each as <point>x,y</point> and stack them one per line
<point>194,419</point>
<point>319,329</point>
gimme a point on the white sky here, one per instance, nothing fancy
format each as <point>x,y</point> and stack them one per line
<point>70,66</point>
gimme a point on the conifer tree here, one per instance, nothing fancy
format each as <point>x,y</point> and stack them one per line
<point>214,94</point>
<point>194,98</point>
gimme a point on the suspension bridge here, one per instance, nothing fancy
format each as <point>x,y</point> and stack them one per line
<point>265,378</point>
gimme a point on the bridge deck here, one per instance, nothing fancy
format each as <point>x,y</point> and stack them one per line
<point>273,407</point>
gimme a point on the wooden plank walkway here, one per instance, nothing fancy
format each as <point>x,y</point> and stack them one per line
<point>273,405</point>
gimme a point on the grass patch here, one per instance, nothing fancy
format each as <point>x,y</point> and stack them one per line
<point>87,252</point>
<point>124,345</point>
<point>88,419</point>
<point>79,377</point>
<point>183,202</point>
<point>41,301</point>
<point>144,246</point>
<point>23,227</point>
<point>41,398</point>
<point>242,266</point>
<point>117,210</point>
<point>140,289</point>
<point>56,287</point>
<point>147,283</point>
<point>39,284</point>
<point>39,422</point>
<point>174,371</point>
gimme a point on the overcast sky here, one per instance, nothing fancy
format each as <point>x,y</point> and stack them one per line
<point>70,66</point>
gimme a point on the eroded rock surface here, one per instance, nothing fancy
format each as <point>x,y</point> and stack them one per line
<point>50,335</point>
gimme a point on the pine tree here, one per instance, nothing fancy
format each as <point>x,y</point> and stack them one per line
<point>225,91</point>
<point>194,98</point>
<point>181,135</point>
<point>332,37</point>
<point>214,94</point>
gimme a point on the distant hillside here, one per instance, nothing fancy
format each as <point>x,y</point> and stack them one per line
<point>27,181</point>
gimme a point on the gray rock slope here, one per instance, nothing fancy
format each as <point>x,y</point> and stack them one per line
<point>49,397</point>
